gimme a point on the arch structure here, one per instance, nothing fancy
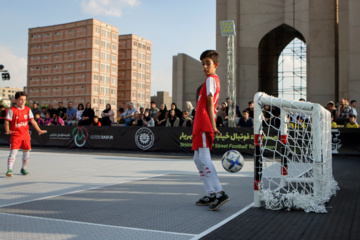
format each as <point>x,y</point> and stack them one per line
<point>265,28</point>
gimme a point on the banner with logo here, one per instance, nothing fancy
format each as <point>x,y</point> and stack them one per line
<point>163,139</point>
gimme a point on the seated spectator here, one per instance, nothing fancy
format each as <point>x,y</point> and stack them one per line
<point>330,106</point>
<point>343,112</point>
<point>43,112</point>
<point>87,116</point>
<point>80,111</point>
<point>62,110</point>
<point>352,123</point>
<point>172,120</point>
<point>3,113</point>
<point>230,102</point>
<point>96,122</point>
<point>186,121</point>
<point>141,110</point>
<point>137,121</point>
<point>177,111</point>
<point>57,120</point>
<point>250,109</point>
<point>333,123</point>
<point>267,115</point>
<point>51,110</point>
<point>70,114</point>
<point>354,111</point>
<point>190,109</point>
<point>128,116</point>
<point>221,117</point>
<point>148,120</point>
<point>38,119</point>
<point>245,120</point>
<point>48,119</point>
<point>107,116</point>
<point>35,109</point>
<point>161,116</point>
<point>121,112</point>
<point>300,122</point>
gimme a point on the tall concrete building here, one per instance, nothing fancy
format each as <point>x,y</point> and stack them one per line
<point>134,74</point>
<point>76,61</point>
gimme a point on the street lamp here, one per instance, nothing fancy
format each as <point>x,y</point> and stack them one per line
<point>4,73</point>
<point>227,29</point>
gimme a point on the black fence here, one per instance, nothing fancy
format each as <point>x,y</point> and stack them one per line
<point>163,139</point>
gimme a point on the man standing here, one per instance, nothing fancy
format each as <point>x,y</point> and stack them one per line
<point>354,111</point>
<point>61,110</point>
<point>35,109</point>
<point>153,110</point>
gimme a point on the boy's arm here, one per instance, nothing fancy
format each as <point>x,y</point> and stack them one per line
<point>36,126</point>
<point>7,128</point>
<point>210,110</point>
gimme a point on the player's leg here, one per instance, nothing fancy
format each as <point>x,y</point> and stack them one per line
<point>26,147</point>
<point>15,144</point>
<point>210,196</point>
<point>210,172</point>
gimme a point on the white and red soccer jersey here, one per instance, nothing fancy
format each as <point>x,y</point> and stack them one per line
<point>202,121</point>
<point>19,119</point>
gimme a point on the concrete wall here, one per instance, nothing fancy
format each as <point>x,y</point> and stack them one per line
<point>187,78</point>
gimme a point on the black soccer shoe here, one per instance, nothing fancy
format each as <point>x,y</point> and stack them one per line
<point>206,201</point>
<point>224,198</point>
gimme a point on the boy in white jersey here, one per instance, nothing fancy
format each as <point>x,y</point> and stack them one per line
<point>204,129</point>
<point>18,117</point>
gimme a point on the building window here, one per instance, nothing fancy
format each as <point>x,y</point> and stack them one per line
<point>68,76</point>
<point>57,44</point>
<point>70,31</point>
<point>56,55</point>
<point>47,34</point>
<point>57,33</point>
<point>135,43</point>
<point>69,54</point>
<point>69,42</point>
<point>47,45</point>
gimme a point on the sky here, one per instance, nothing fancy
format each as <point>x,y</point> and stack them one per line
<point>187,26</point>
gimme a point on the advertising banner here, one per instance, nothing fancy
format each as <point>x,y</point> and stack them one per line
<point>163,139</point>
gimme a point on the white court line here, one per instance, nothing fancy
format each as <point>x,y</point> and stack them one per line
<point>209,230</point>
<point>87,189</point>
<point>97,224</point>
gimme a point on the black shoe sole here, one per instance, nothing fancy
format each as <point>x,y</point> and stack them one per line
<point>204,204</point>
<point>218,206</point>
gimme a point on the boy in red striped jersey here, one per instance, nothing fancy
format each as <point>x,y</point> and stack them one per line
<point>204,128</point>
<point>16,124</point>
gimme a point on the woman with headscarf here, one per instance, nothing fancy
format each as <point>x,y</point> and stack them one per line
<point>172,120</point>
<point>87,116</point>
<point>190,109</point>
<point>161,116</point>
<point>107,116</point>
<point>178,112</point>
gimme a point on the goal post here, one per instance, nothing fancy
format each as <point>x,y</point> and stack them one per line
<point>293,156</point>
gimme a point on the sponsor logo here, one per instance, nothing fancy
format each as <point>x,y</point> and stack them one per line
<point>335,145</point>
<point>61,136</point>
<point>144,138</point>
<point>21,124</point>
<point>102,137</point>
<point>80,134</point>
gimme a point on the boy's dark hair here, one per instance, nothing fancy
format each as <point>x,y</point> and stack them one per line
<point>212,54</point>
<point>19,94</point>
<point>96,117</point>
<point>246,111</point>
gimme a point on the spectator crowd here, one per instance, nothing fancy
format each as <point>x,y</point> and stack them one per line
<point>342,115</point>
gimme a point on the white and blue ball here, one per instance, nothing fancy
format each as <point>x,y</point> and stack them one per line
<point>232,161</point>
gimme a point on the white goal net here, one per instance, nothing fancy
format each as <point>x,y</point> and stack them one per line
<point>293,156</point>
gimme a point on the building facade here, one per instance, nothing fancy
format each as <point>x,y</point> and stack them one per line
<point>162,97</point>
<point>134,74</point>
<point>76,62</point>
<point>7,94</point>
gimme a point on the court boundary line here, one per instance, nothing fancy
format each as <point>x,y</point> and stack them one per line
<point>223,222</point>
<point>96,224</point>
<point>77,191</point>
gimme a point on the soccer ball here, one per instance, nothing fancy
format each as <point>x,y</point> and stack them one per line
<point>232,161</point>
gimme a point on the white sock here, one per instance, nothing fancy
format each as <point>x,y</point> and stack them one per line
<point>200,166</point>
<point>25,159</point>
<point>210,172</point>
<point>11,158</point>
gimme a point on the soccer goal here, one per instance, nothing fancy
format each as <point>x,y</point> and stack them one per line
<point>293,155</point>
